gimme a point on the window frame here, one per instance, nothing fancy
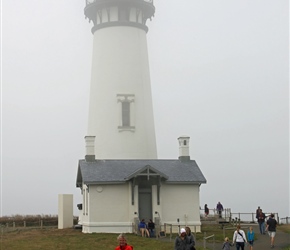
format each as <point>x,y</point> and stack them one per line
<point>130,99</point>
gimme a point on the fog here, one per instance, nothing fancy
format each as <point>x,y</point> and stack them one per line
<point>219,74</point>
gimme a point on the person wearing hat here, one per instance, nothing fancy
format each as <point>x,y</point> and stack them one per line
<point>181,241</point>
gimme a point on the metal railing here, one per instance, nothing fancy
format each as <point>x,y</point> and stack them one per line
<point>94,1</point>
<point>226,213</point>
<point>242,217</point>
<point>232,228</point>
<point>205,243</point>
<point>285,220</point>
<point>170,231</point>
<point>250,217</point>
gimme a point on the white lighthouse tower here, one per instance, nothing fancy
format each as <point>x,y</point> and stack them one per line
<point>121,180</point>
<point>120,108</point>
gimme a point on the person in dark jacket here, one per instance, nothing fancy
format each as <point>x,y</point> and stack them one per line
<point>151,228</point>
<point>261,221</point>
<point>181,241</point>
<point>219,208</point>
<point>271,228</point>
<point>190,238</point>
<point>257,212</point>
<point>206,210</point>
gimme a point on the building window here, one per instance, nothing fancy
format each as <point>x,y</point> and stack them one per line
<point>123,14</point>
<point>87,200</point>
<point>84,201</point>
<point>126,112</point>
<point>85,194</point>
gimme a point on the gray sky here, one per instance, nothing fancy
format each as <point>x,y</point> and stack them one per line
<point>219,73</point>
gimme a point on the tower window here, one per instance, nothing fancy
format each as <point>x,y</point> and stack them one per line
<point>126,112</point>
<point>123,14</point>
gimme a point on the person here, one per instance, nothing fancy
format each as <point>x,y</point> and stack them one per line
<point>261,221</point>
<point>257,212</point>
<point>239,238</point>
<point>143,228</point>
<point>151,228</point>
<point>271,228</point>
<point>123,243</point>
<point>251,237</point>
<point>206,211</point>
<point>227,245</point>
<point>219,208</point>
<point>181,241</point>
<point>190,238</point>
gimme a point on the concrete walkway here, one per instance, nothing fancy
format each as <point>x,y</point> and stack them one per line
<point>282,240</point>
<point>262,242</point>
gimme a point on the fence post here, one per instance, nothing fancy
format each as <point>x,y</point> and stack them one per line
<point>24,223</point>
<point>13,223</point>
<point>41,224</point>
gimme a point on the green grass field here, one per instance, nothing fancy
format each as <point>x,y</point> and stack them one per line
<point>72,239</point>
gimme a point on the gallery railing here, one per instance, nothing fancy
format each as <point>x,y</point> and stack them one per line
<point>94,1</point>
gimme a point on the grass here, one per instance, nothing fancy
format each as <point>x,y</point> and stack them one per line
<point>285,228</point>
<point>72,239</point>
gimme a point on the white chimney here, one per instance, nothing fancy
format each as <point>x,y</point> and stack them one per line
<point>184,148</point>
<point>90,148</point>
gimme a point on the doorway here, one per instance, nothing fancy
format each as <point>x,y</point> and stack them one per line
<point>145,204</point>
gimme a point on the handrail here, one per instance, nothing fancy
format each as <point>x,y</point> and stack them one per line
<point>88,2</point>
<point>232,228</point>
<point>237,216</point>
<point>208,237</point>
<point>170,225</point>
<point>287,220</point>
<point>226,213</point>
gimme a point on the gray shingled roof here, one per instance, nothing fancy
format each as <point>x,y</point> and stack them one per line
<point>120,171</point>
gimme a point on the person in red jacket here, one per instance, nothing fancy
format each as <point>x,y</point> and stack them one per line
<point>123,243</point>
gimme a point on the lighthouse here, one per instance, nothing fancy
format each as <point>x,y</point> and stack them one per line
<point>120,106</point>
<point>120,179</point>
